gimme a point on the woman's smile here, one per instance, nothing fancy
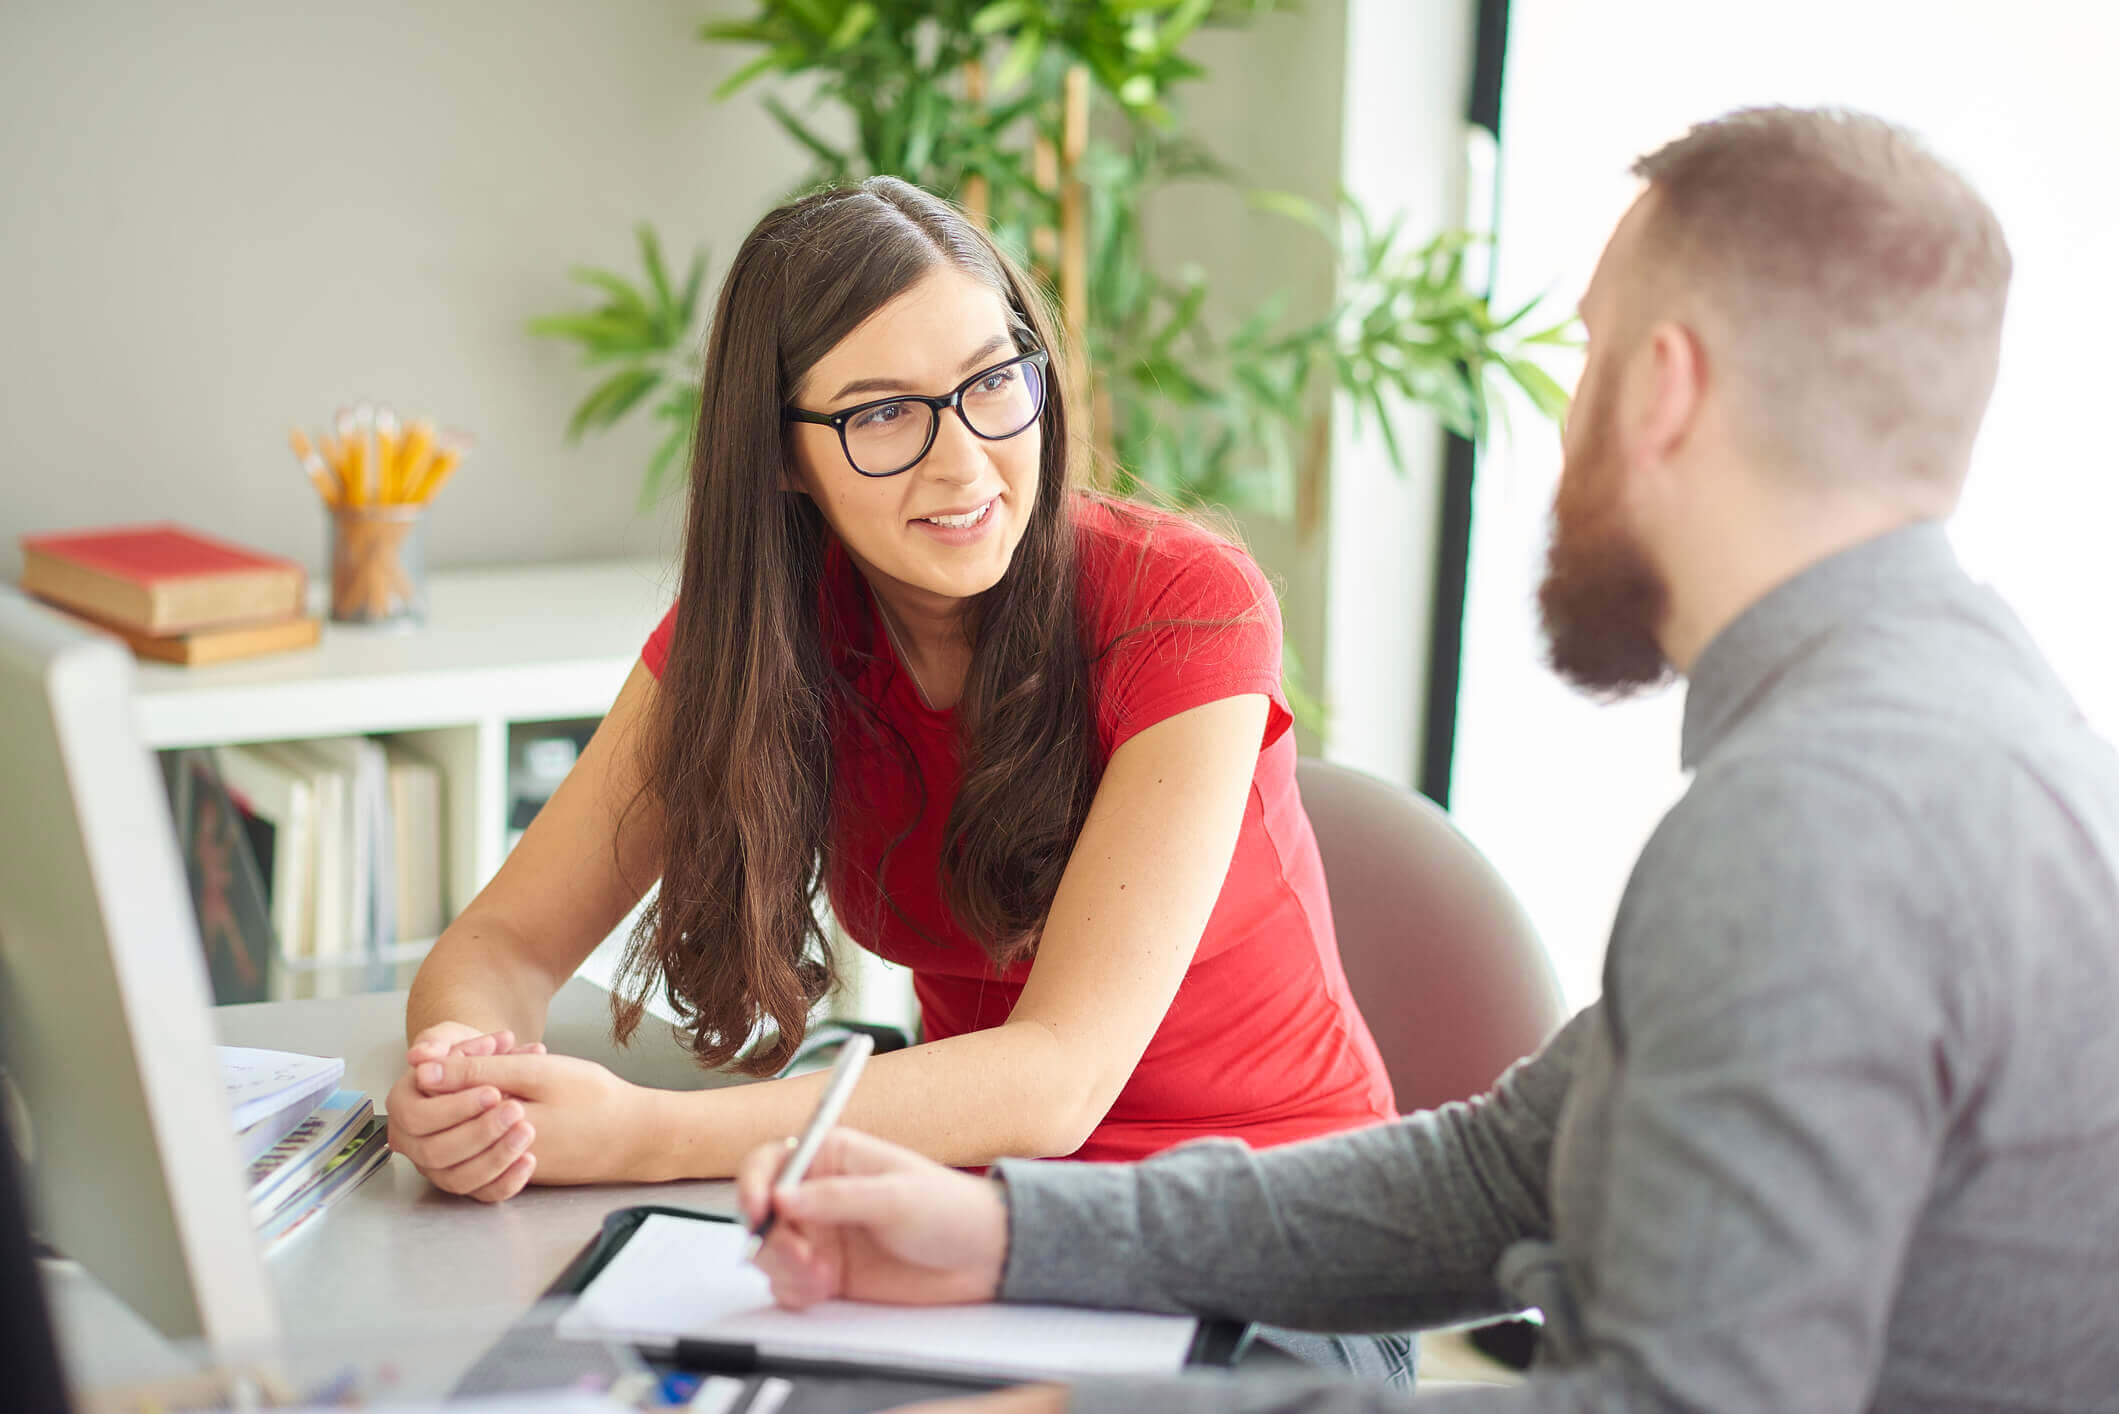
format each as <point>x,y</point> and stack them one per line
<point>963,527</point>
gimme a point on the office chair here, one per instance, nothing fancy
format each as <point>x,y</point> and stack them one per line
<point>828,1035</point>
<point>1440,957</point>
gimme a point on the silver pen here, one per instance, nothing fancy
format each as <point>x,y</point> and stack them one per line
<point>844,1072</point>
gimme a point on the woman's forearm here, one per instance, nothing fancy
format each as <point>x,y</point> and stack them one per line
<point>1009,1091</point>
<point>481,974</point>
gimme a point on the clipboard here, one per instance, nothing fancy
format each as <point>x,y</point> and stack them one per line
<point>821,1387</point>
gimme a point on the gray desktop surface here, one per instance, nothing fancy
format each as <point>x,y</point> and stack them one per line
<point>397,1263</point>
<point>397,1246</point>
<point>396,1255</point>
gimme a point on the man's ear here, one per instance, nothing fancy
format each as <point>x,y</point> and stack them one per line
<point>1669,387</point>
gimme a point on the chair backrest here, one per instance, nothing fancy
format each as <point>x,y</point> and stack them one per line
<point>1441,958</point>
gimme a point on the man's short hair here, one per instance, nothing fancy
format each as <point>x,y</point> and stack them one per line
<point>1849,283</point>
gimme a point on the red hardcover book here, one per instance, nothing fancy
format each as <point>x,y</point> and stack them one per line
<point>160,579</point>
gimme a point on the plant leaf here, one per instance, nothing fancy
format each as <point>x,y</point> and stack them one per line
<point>787,56</point>
<point>856,22</point>
<point>651,260</point>
<point>1307,709</point>
<point>612,399</point>
<point>673,446</point>
<point>601,335</point>
<point>624,299</point>
<point>741,32</point>
<point>1390,434</point>
<point>1022,58</point>
<point>801,132</point>
<point>1550,398</point>
<point>999,16</point>
<point>1563,335</point>
<point>694,277</point>
<point>1295,208</point>
<point>919,130</point>
<point>1521,314</point>
<point>810,14</point>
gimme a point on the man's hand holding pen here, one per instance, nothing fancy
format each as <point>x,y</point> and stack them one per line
<point>875,1222</point>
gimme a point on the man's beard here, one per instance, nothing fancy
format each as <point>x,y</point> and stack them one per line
<point>1601,598</point>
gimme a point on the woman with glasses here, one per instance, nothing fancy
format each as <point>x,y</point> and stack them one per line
<point>1029,742</point>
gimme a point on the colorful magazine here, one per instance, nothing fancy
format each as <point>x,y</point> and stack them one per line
<point>296,1160</point>
<point>359,1158</point>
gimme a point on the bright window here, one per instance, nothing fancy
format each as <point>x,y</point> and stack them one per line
<point>1561,793</point>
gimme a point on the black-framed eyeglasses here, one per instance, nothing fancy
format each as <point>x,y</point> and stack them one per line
<point>891,435</point>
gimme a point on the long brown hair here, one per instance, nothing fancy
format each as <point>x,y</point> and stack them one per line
<point>739,755</point>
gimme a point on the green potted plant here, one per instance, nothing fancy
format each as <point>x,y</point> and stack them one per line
<point>1053,119</point>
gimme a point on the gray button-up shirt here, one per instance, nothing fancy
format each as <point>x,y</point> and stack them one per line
<point>1843,1132</point>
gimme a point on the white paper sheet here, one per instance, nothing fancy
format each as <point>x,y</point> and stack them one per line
<point>684,1278</point>
<point>260,1083</point>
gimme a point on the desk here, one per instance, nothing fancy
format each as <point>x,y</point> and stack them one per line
<point>396,1245</point>
<point>396,1252</point>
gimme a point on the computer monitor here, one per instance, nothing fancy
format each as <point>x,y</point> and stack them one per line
<point>105,1031</point>
<point>29,1354</point>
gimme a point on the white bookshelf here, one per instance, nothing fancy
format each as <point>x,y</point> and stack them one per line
<point>501,646</point>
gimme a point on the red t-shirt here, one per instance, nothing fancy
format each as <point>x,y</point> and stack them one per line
<point>1262,1041</point>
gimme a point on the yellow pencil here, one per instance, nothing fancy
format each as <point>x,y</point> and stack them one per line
<point>371,469</point>
<point>412,458</point>
<point>354,468</point>
<point>444,466</point>
<point>320,475</point>
<point>446,457</point>
<point>386,454</point>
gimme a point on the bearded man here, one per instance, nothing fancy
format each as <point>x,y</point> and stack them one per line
<point>1843,1131</point>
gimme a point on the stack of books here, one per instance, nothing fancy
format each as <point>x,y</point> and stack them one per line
<point>305,1142</point>
<point>171,593</point>
<point>347,833</point>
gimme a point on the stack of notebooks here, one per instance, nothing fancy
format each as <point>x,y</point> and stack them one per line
<point>172,593</point>
<point>304,1142</point>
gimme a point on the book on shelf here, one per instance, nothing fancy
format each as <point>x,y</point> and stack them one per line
<point>278,815</point>
<point>416,825</point>
<point>335,920</point>
<point>368,848</point>
<point>228,894</point>
<point>160,579</point>
<point>347,834</point>
<point>221,644</point>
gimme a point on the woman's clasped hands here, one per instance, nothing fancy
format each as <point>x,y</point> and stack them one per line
<point>479,1115</point>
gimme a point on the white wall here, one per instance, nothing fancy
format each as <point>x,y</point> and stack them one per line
<point>222,219</point>
<point>1269,107</point>
<point>1562,794</point>
<point>1408,83</point>
<point>1368,95</point>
